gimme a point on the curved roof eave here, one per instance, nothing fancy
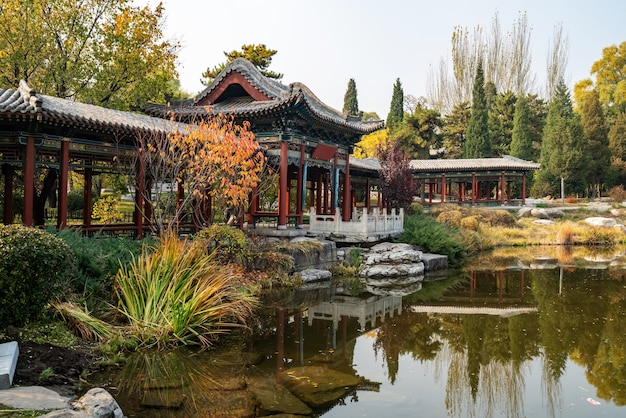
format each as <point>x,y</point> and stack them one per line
<point>25,100</point>
<point>266,85</point>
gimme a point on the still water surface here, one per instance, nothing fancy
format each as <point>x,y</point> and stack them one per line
<point>539,333</point>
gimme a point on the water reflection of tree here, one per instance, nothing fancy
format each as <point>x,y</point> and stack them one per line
<point>488,364</point>
<point>411,333</point>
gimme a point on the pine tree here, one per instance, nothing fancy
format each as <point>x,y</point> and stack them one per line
<point>396,110</point>
<point>596,134</point>
<point>617,145</point>
<point>477,143</point>
<point>350,101</point>
<point>562,153</point>
<point>501,121</point>
<point>521,138</point>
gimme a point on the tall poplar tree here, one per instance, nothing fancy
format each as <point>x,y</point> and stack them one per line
<point>521,137</point>
<point>596,134</point>
<point>396,110</point>
<point>477,143</point>
<point>562,152</point>
<point>350,101</point>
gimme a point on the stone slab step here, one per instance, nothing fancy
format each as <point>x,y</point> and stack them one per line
<point>8,361</point>
<point>434,261</point>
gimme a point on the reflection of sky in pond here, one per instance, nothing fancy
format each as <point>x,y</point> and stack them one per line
<point>420,390</point>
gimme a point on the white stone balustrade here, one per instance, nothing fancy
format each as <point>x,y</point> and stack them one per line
<point>364,226</point>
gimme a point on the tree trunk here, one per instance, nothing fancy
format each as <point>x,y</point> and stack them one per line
<point>39,202</point>
<point>562,190</point>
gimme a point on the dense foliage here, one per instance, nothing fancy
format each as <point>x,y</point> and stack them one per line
<point>435,237</point>
<point>106,52</point>
<point>35,266</point>
<point>98,259</point>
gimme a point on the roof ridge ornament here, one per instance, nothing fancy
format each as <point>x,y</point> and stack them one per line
<point>30,96</point>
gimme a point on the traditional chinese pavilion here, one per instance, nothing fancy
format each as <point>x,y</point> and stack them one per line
<point>308,142</point>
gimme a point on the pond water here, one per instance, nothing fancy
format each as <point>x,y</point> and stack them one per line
<point>532,333</point>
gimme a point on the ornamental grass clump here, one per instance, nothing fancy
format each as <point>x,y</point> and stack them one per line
<point>179,294</point>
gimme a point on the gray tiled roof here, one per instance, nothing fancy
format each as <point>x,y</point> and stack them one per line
<point>474,164</point>
<point>365,163</point>
<point>282,97</point>
<point>25,101</point>
<point>506,162</point>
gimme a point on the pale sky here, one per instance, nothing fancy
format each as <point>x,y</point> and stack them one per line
<point>324,43</point>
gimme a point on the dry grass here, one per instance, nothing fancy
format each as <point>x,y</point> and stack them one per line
<point>501,228</point>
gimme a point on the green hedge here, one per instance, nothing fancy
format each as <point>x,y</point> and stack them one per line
<point>34,267</point>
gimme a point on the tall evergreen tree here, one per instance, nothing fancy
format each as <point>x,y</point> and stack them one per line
<point>350,101</point>
<point>501,120</point>
<point>521,137</point>
<point>477,143</point>
<point>562,152</point>
<point>454,130</point>
<point>596,134</point>
<point>617,145</point>
<point>396,110</point>
<point>538,113</point>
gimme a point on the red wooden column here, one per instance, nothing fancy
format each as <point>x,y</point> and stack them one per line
<point>283,199</point>
<point>9,172</point>
<point>319,206</point>
<point>474,189</point>
<point>523,189</point>
<point>139,198</point>
<point>367,194</point>
<point>325,197</point>
<point>87,183</point>
<point>29,181</point>
<point>347,201</point>
<point>300,192</point>
<point>443,188</point>
<point>502,188</point>
<point>63,179</point>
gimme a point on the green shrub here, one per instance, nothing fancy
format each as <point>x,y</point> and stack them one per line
<point>75,201</point>
<point>34,267</point>
<point>229,244</point>
<point>435,237</point>
<point>97,259</point>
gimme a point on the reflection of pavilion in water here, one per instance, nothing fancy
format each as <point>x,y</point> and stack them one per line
<point>368,310</point>
<point>489,292</point>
